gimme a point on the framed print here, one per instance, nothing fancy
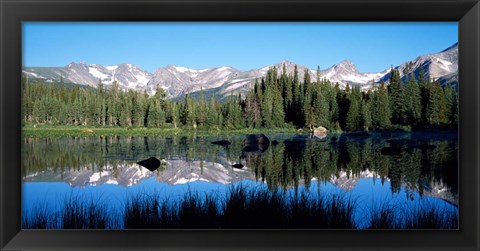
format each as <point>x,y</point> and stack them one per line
<point>240,125</point>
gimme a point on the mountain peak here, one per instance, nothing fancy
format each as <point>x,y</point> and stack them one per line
<point>454,46</point>
<point>286,62</point>
<point>347,65</point>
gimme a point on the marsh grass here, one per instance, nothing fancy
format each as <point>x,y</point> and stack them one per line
<point>84,214</point>
<point>40,217</point>
<point>419,216</point>
<point>384,217</point>
<point>146,211</point>
<point>425,216</point>
<point>240,208</point>
<point>75,214</point>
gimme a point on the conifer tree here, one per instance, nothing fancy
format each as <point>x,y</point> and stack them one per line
<point>451,104</point>
<point>287,93</point>
<point>202,110</point>
<point>366,115</point>
<point>353,119</point>
<point>267,105</point>
<point>413,102</point>
<point>381,108</point>
<point>278,114</point>
<point>308,113</point>
<point>212,113</point>
<point>297,108</point>
<point>175,113</point>
<point>321,106</point>
<point>395,93</point>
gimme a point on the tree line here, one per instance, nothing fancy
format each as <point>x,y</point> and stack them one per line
<point>278,100</point>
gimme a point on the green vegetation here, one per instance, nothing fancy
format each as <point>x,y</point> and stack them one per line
<point>277,101</point>
<point>87,131</point>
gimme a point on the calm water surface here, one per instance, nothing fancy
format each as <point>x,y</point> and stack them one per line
<point>402,169</point>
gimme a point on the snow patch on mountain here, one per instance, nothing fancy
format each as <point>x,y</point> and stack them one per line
<point>96,73</point>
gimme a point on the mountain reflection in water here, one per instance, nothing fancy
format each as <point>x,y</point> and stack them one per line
<point>426,164</point>
<point>402,167</point>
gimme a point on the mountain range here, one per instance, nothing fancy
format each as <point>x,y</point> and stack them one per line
<point>225,80</point>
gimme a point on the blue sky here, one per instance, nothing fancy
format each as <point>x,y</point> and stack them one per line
<point>370,46</point>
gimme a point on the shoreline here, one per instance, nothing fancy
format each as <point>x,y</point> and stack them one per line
<point>85,131</point>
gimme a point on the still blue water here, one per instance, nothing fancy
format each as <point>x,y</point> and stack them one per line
<point>424,171</point>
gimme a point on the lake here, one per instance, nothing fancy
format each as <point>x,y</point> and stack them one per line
<point>380,180</point>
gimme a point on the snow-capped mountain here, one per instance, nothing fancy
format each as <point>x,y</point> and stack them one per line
<point>442,66</point>
<point>177,80</point>
<point>128,76</point>
<point>224,81</point>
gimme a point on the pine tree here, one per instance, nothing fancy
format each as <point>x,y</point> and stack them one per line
<point>413,102</point>
<point>249,109</point>
<point>424,95</point>
<point>287,93</point>
<point>395,93</point>
<point>297,108</point>
<point>321,106</point>
<point>308,113</point>
<point>278,113</point>
<point>267,105</point>
<point>175,113</point>
<point>257,104</point>
<point>381,108</point>
<point>366,113</point>
<point>202,110</point>
<point>353,119</point>
<point>451,105</point>
<point>333,108</point>
<point>189,113</point>
<point>212,113</point>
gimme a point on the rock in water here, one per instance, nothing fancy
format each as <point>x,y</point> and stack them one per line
<point>255,144</point>
<point>320,132</point>
<point>256,139</point>
<point>239,166</point>
<point>252,148</point>
<point>221,142</point>
<point>151,163</point>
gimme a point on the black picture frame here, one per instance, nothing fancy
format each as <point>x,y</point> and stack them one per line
<point>14,12</point>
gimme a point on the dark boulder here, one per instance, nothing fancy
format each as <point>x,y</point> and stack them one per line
<point>251,148</point>
<point>151,163</point>
<point>221,142</point>
<point>255,144</point>
<point>238,166</point>
<point>256,139</point>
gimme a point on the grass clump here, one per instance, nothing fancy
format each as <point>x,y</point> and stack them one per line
<point>241,207</point>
